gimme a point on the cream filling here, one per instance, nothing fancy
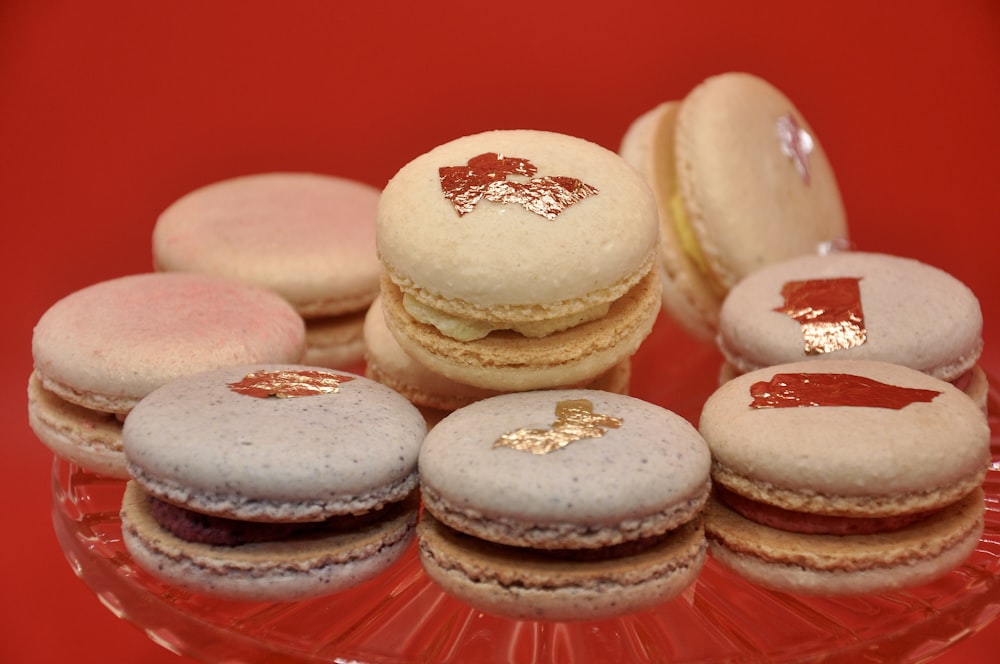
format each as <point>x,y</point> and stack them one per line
<point>468,329</point>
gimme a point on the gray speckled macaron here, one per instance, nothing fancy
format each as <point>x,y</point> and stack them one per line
<point>271,444</point>
<point>855,305</point>
<point>563,504</point>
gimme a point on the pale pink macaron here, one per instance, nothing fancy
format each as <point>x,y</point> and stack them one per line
<point>309,237</point>
<point>98,351</point>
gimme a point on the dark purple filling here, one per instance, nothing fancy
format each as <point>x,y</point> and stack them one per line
<point>220,531</point>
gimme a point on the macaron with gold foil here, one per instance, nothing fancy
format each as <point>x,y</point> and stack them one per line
<point>856,306</point>
<point>518,259</point>
<point>99,350</point>
<point>563,504</point>
<point>844,477</point>
<point>270,482</point>
<point>309,237</point>
<point>741,180</point>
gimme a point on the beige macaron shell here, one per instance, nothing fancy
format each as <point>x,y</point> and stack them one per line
<point>504,259</point>
<point>523,585</point>
<point>336,341</point>
<point>287,570</point>
<point>637,480</point>
<point>854,461</point>
<point>746,202</point>
<point>200,444</point>
<point>846,564</point>
<point>307,236</point>
<point>108,345</point>
<point>648,145</point>
<point>91,439</point>
<point>914,314</point>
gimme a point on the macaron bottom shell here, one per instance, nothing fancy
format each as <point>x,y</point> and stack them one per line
<point>523,584</point>
<point>815,564</point>
<point>90,439</point>
<point>286,570</point>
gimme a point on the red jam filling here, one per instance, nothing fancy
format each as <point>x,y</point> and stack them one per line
<point>812,524</point>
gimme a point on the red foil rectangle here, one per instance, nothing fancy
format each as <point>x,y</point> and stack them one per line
<point>794,390</point>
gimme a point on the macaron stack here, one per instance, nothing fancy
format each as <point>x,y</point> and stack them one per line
<point>308,237</point>
<point>518,260</point>
<point>741,180</point>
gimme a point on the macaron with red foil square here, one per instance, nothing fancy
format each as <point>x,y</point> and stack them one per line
<point>518,259</point>
<point>270,482</point>
<point>741,179</point>
<point>856,306</point>
<point>563,504</point>
<point>843,477</point>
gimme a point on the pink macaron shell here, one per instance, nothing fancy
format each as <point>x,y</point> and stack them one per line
<point>110,344</point>
<point>307,236</point>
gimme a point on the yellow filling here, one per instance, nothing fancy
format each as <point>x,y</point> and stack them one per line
<point>467,329</point>
<point>689,243</point>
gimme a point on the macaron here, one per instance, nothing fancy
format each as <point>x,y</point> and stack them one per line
<point>742,181</point>
<point>518,259</point>
<point>309,237</point>
<point>858,306</point>
<point>434,394</point>
<point>843,477</point>
<point>101,349</point>
<point>270,482</point>
<point>563,504</point>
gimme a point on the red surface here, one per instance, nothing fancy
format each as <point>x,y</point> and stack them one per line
<point>111,110</point>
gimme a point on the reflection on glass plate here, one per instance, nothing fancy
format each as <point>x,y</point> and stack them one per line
<point>402,617</point>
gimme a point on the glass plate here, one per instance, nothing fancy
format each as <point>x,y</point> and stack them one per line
<point>402,617</point>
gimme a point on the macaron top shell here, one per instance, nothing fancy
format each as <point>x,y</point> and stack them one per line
<point>653,460</point>
<point>108,345</point>
<point>913,314</point>
<point>200,443</point>
<point>308,236</point>
<point>749,201</point>
<point>878,454</point>
<point>500,252</point>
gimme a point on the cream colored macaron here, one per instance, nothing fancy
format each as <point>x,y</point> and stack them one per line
<point>844,476</point>
<point>741,180</point>
<point>519,259</point>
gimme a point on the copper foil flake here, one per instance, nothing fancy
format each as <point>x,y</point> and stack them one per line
<point>575,420</point>
<point>829,312</point>
<point>794,390</point>
<point>796,143</point>
<point>289,384</point>
<point>488,176</point>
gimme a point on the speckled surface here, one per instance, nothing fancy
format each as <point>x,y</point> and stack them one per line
<point>198,443</point>
<point>915,314</point>
<point>654,463</point>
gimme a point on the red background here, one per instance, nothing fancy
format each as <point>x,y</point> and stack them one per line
<point>111,110</point>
